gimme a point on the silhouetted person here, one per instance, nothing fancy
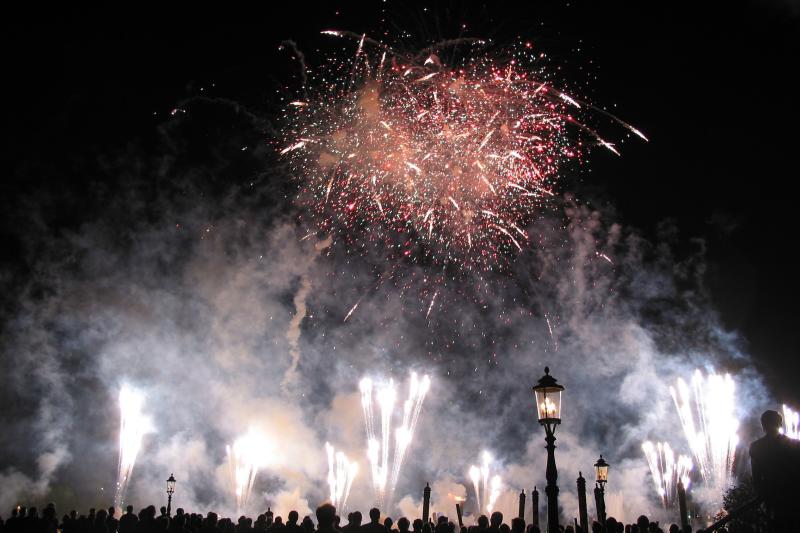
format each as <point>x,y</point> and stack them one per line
<point>128,521</point>
<point>307,525</point>
<point>326,514</point>
<point>517,525</point>
<point>374,525</point>
<point>403,524</point>
<point>353,523</point>
<point>417,525</point>
<point>112,524</point>
<point>388,523</point>
<point>495,521</point>
<point>774,460</point>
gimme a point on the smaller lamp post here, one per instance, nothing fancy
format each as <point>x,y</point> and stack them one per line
<point>170,492</point>
<point>601,478</point>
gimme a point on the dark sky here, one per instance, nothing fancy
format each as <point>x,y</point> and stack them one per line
<point>714,89</point>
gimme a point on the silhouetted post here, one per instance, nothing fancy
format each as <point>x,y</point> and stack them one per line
<point>426,503</point>
<point>682,506</point>
<point>522,505</point>
<point>535,506</point>
<point>582,502</point>
<point>600,504</point>
<point>170,491</point>
<point>548,407</point>
<point>460,515</point>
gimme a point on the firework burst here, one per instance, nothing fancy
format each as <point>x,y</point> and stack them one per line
<point>386,473</point>
<point>134,425</point>
<point>707,412</point>
<point>448,162</point>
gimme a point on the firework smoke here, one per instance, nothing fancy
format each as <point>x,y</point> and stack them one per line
<point>246,457</point>
<point>707,414</point>
<point>667,470</point>
<point>133,427</point>
<point>385,474</point>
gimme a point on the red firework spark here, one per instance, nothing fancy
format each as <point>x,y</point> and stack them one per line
<point>409,151</point>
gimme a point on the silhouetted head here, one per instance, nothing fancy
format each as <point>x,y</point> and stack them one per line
<point>111,511</point>
<point>441,520</point>
<point>504,528</point>
<point>417,525</point>
<point>356,518</point>
<point>643,522</point>
<point>388,522</point>
<point>483,522</point>
<point>426,527</point>
<point>293,517</point>
<point>163,511</point>
<point>403,524</point>
<point>518,525</point>
<point>211,519</point>
<point>129,509</point>
<point>771,421</point>
<point>496,519</point>
<point>374,515</point>
<point>673,528</point>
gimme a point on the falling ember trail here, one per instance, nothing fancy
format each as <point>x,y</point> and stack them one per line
<point>431,305</point>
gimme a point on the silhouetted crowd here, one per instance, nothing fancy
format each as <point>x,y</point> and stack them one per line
<point>147,520</point>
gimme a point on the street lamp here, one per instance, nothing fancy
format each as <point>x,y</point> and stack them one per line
<point>548,409</point>
<point>601,471</point>
<point>170,492</point>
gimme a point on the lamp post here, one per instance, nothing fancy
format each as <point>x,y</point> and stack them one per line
<point>548,408</point>
<point>170,492</point>
<point>601,471</point>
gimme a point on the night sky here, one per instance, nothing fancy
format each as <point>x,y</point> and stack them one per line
<point>714,88</point>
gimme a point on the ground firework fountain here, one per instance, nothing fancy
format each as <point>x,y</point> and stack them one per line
<point>667,470</point>
<point>246,457</point>
<point>791,421</point>
<point>386,472</point>
<point>133,427</point>
<point>486,487</point>
<point>707,413</point>
<point>341,473</point>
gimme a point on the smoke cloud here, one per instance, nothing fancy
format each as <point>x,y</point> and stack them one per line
<point>189,278</point>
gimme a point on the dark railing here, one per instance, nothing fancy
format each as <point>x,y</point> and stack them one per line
<point>739,512</point>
